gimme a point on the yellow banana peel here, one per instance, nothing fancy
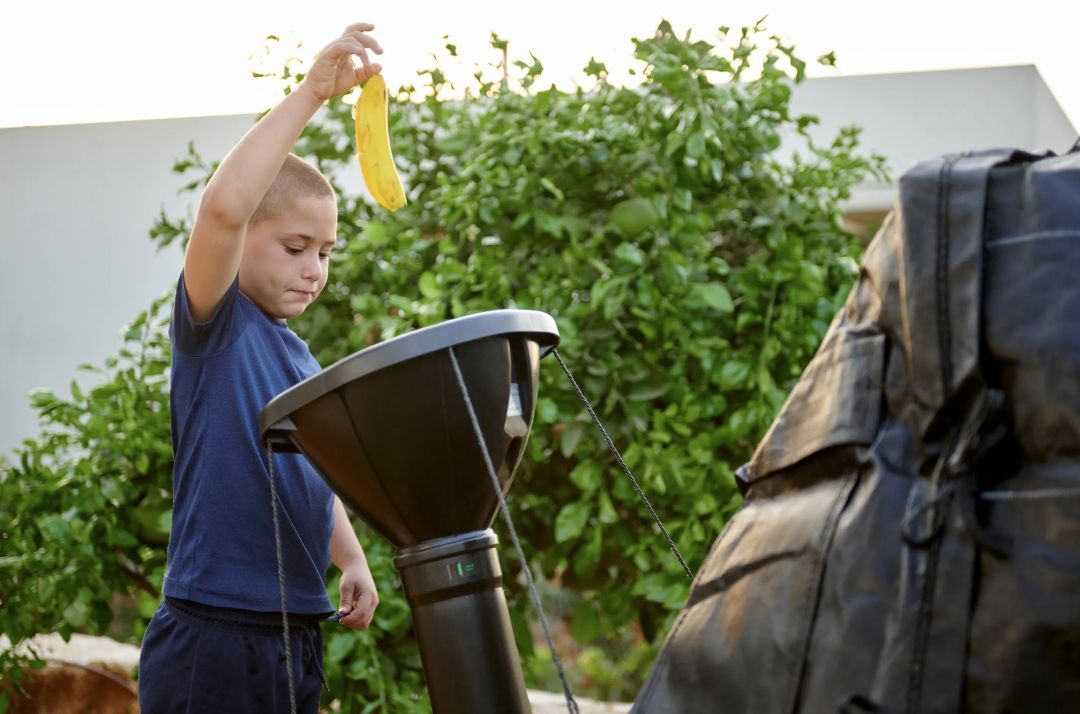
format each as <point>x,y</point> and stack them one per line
<point>373,145</point>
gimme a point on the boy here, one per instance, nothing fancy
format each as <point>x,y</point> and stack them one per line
<point>258,255</point>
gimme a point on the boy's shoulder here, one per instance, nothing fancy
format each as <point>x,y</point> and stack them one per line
<point>224,329</point>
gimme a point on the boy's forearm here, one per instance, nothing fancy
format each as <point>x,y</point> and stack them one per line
<point>246,173</point>
<point>345,550</point>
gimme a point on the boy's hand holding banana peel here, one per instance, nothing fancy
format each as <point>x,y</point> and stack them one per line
<point>333,74</point>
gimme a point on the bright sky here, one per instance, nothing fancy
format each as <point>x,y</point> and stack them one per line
<point>68,61</point>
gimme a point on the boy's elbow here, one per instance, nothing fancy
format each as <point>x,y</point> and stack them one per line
<point>221,209</point>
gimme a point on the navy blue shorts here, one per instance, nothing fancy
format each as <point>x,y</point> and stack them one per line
<point>201,659</point>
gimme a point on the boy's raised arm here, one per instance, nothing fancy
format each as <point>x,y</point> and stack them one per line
<point>240,182</point>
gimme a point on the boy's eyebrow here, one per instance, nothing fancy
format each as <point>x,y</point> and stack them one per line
<point>309,239</point>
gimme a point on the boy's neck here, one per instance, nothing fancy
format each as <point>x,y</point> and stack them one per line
<point>279,320</point>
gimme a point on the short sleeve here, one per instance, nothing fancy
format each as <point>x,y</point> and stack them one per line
<point>199,339</point>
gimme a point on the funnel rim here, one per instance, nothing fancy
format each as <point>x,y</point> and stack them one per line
<point>407,346</point>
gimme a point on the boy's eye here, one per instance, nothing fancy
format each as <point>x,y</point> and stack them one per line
<point>293,251</point>
<point>324,256</point>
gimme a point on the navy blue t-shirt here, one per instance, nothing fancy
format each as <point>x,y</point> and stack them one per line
<point>221,549</point>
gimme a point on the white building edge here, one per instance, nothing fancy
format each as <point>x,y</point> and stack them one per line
<point>914,116</point>
<point>77,202</point>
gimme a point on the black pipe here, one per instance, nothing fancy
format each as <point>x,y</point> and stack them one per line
<point>454,589</point>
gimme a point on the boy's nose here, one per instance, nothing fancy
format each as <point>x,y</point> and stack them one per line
<point>311,269</point>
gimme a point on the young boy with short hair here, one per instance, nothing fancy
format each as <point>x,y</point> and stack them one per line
<point>257,256</point>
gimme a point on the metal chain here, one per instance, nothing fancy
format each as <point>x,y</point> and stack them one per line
<point>281,576</point>
<point>625,468</point>
<point>571,705</point>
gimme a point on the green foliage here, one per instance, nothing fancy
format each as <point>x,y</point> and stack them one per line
<point>84,508</point>
<point>692,273</point>
<point>608,671</point>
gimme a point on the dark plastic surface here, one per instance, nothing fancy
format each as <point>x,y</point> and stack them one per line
<point>417,343</point>
<point>388,428</point>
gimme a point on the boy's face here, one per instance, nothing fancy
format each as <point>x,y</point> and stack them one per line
<point>285,262</point>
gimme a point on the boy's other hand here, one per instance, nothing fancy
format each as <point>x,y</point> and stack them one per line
<point>358,597</point>
<point>333,72</point>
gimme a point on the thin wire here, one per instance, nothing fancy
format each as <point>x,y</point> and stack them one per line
<point>1033,494</point>
<point>281,577</point>
<point>571,705</point>
<point>625,468</point>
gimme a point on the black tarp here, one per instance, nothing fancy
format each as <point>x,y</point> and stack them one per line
<point>910,537</point>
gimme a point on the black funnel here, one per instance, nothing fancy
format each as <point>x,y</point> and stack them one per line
<point>389,430</point>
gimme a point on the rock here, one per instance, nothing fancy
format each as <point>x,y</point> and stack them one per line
<point>87,675</point>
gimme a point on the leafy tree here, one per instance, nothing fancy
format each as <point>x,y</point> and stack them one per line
<point>692,272</point>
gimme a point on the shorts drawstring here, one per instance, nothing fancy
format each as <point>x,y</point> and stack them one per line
<point>311,638</point>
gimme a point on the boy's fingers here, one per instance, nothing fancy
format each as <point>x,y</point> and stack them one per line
<point>350,620</point>
<point>346,46</point>
<point>359,618</point>
<point>364,59</point>
<point>365,73</point>
<point>335,51</point>
<point>366,40</point>
<point>359,27</point>
<point>351,595</point>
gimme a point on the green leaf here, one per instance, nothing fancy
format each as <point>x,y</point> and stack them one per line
<point>55,527</point>
<point>586,624</point>
<point>695,146</point>
<point>716,296</point>
<point>376,234</point>
<point>607,514</point>
<point>630,253</point>
<point>649,388</point>
<point>552,188</point>
<point>41,398</point>
<point>428,286</point>
<point>588,555</point>
<point>634,216</point>
<point>549,223</point>
<point>570,438</point>
<point>587,475</point>
<point>77,614</point>
<point>733,375</point>
<point>547,411</point>
<point>340,645</point>
<point>682,199</point>
<point>571,521</point>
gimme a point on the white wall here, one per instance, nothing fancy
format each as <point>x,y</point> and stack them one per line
<point>913,116</point>
<point>76,262</point>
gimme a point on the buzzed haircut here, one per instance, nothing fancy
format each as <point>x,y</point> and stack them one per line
<point>296,179</point>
